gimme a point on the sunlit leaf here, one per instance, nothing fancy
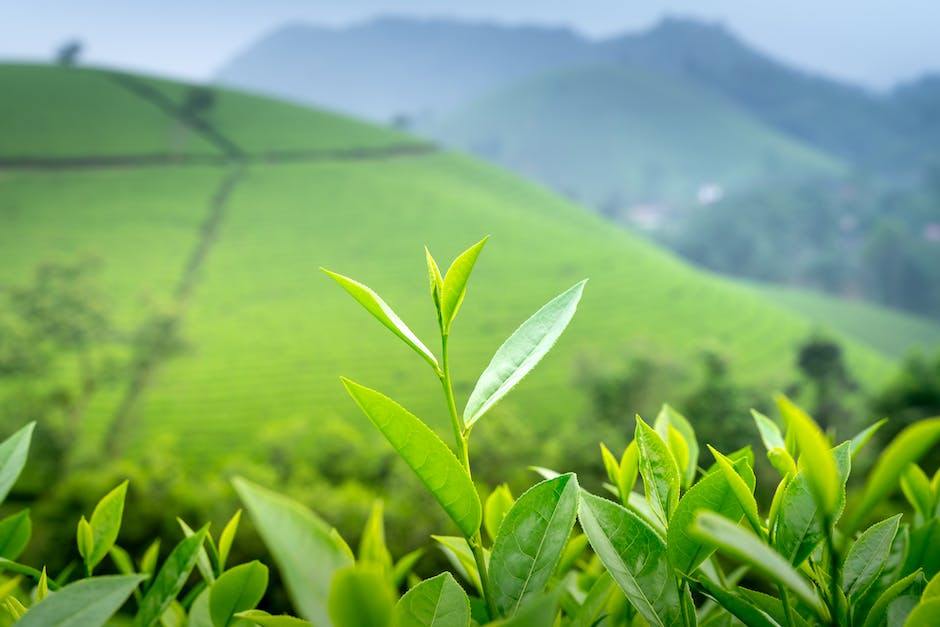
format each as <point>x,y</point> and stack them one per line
<point>227,537</point>
<point>435,602</point>
<point>105,523</point>
<point>425,453</point>
<point>260,617</point>
<point>372,547</point>
<point>669,416</point>
<point>867,557</point>
<point>360,596</point>
<point>86,603</point>
<point>455,283</point>
<point>13,453</point>
<point>862,438</point>
<point>236,590</point>
<point>494,510</point>
<point>815,454</point>
<point>659,470</point>
<point>15,531</point>
<point>519,354</point>
<point>170,580</point>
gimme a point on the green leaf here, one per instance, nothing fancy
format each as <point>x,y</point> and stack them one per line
<point>933,588</point>
<point>518,355</point>
<point>924,613</point>
<point>404,566</point>
<point>539,613</point>
<point>260,617</point>
<point>658,469</point>
<point>227,537</point>
<point>238,589</point>
<point>302,545</point>
<point>148,563</point>
<point>86,603</point>
<point>105,524</point>
<point>361,597</point>
<point>743,491</point>
<point>906,448</point>
<point>384,314</point>
<point>460,555</point>
<point>815,453</point>
<point>741,608</point>
<point>715,493</point>
<point>739,543</point>
<point>924,549</point>
<point>436,602</point>
<point>611,466</point>
<point>425,453</point>
<point>595,602</point>
<point>202,556</point>
<point>669,417</point>
<point>494,510</point>
<point>629,469</point>
<point>455,283</point>
<point>862,438</point>
<point>170,580</point>
<point>868,556</point>
<point>15,531</point>
<point>13,453</point>
<point>634,555</point>
<point>530,542</point>
<point>372,547</point>
<point>773,441</point>
<point>437,284</point>
<point>916,488</point>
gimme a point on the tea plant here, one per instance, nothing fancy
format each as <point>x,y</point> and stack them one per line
<point>690,548</point>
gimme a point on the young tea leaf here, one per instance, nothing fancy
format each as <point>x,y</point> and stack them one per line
<point>634,555</point>
<point>227,537</point>
<point>302,545</point>
<point>669,417</point>
<point>868,556</point>
<point>455,283</point>
<point>13,452</point>
<point>203,562</point>
<point>260,617</point>
<point>741,608</point>
<point>815,455</point>
<point>629,469</point>
<point>15,531</point>
<point>436,602</point>
<point>170,580</point>
<point>659,470</point>
<point>105,523</point>
<point>237,590</point>
<point>460,555</point>
<point>861,439</point>
<point>437,285</point>
<point>86,603</point>
<point>372,547</point>
<point>916,488</point>
<point>425,453</point>
<point>524,349</point>
<point>384,314</point>
<point>530,542</point>
<point>361,597</point>
<point>494,510</point>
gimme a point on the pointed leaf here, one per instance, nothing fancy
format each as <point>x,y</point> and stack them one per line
<point>13,452</point>
<point>906,448</point>
<point>227,537</point>
<point>425,453</point>
<point>713,492</point>
<point>743,490</point>
<point>737,542</point>
<point>494,510</point>
<point>437,284</point>
<point>436,602</point>
<point>669,416</point>
<point>629,469</point>
<point>868,556</point>
<point>530,542</point>
<point>105,524</point>
<point>924,613</point>
<point>741,608</point>
<point>85,603</point>
<point>202,556</point>
<point>455,282</point>
<point>916,488</point>
<point>372,547</point>
<point>170,580</point>
<point>237,590</point>
<point>770,433</point>
<point>361,597</point>
<point>659,470</point>
<point>260,617</point>
<point>148,563</point>
<point>15,532</point>
<point>634,555</point>
<point>302,545</point>
<point>404,566</point>
<point>384,314</point>
<point>460,555</point>
<point>524,349</point>
<point>815,453</point>
<point>862,438</point>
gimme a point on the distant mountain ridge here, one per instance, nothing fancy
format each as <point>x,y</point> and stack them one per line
<point>400,66</point>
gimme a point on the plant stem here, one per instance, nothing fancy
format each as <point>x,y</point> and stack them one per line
<point>460,437</point>
<point>834,576</point>
<point>683,591</point>
<point>785,601</point>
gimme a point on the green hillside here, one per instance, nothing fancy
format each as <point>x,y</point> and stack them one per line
<point>613,138</point>
<point>267,335</point>
<point>888,331</point>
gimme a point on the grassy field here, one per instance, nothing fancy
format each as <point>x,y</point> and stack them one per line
<point>268,335</point>
<point>619,137</point>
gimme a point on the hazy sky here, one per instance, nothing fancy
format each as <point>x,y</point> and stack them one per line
<point>875,42</point>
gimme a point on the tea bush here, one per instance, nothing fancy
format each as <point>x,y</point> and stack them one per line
<point>690,548</point>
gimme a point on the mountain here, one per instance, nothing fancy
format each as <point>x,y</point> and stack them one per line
<point>628,141</point>
<point>227,235</point>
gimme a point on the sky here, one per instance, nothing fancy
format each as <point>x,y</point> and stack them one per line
<point>877,43</point>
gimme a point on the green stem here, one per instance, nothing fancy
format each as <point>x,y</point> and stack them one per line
<point>683,589</point>
<point>785,601</point>
<point>834,576</point>
<point>460,437</point>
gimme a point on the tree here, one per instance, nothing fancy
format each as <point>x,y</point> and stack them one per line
<point>68,53</point>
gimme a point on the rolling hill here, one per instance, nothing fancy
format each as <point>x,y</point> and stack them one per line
<point>614,138</point>
<point>288,190</point>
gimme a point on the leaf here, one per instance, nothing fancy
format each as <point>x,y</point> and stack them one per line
<point>436,602</point>
<point>629,468</point>
<point>867,557</point>
<point>360,597</point>
<point>658,469</point>
<point>594,603</point>
<point>815,454</point>
<point>42,586</point>
<point>455,283</point>
<point>105,523</point>
<point>86,603</point>
<point>714,493</point>
<point>862,438</point>
<point>170,580</point>
<point>740,607</point>
<point>227,537</point>
<point>518,355</point>
<point>737,542</point>
<point>460,555</point>
<point>770,433</point>
<point>906,448</point>
<point>148,563</point>
<point>302,545</point>
<point>924,613</point>
<point>539,613</point>
<point>202,556</point>
<point>236,590</point>
<point>933,588</point>
<point>494,510</point>
<point>13,453</point>
<point>15,531</point>
<point>670,417</point>
<point>437,284</point>
<point>530,542</point>
<point>384,314</point>
<point>260,617</point>
<point>634,555</point>
<point>743,491</point>
<point>611,466</point>
<point>425,453</point>
<point>916,488</point>
<point>404,566</point>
